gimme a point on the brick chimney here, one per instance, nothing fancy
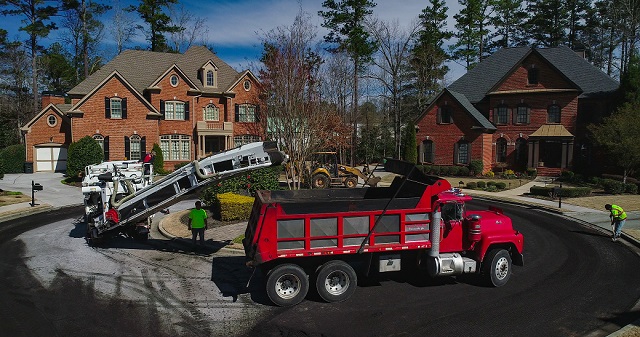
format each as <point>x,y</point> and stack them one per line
<point>53,97</point>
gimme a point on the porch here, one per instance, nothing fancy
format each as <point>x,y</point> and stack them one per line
<point>213,137</point>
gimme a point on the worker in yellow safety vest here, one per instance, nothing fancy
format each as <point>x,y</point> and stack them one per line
<point>618,217</point>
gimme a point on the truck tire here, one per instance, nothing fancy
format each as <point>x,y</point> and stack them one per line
<point>336,281</point>
<point>320,180</point>
<point>351,182</point>
<point>287,285</point>
<point>496,267</point>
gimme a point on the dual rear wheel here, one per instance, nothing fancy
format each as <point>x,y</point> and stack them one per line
<point>288,284</point>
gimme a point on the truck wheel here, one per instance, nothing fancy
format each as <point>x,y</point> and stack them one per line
<point>496,267</point>
<point>320,180</point>
<point>351,182</point>
<point>287,285</point>
<point>336,281</point>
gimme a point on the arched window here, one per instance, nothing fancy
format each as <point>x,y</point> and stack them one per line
<point>428,151</point>
<point>553,114</point>
<point>100,140</point>
<point>522,152</point>
<point>463,152</point>
<point>501,150</point>
<point>211,113</point>
<point>135,151</point>
<point>210,82</point>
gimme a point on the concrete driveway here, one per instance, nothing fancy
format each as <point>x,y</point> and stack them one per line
<point>54,192</point>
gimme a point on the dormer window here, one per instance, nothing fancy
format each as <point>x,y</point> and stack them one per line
<point>209,75</point>
<point>209,78</point>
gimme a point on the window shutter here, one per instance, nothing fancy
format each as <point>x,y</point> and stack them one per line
<point>432,158</point>
<point>456,148</point>
<point>237,112</point>
<point>127,148</point>
<point>528,115</point>
<point>107,107</point>
<point>439,116</point>
<point>495,116</point>
<point>468,159</point>
<point>124,108</point>
<point>186,111</point>
<point>257,113</point>
<point>162,108</point>
<point>106,148</point>
<point>143,146</point>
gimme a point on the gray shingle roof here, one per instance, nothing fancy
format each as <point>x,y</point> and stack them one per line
<point>479,117</point>
<point>476,83</point>
<point>141,68</point>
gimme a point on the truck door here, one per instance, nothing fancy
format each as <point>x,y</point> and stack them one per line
<point>452,216</point>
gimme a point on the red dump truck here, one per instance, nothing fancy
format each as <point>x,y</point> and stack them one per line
<point>327,238</point>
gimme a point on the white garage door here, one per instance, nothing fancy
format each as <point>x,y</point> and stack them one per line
<point>50,158</point>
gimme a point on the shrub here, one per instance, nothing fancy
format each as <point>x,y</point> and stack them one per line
<point>631,188</point>
<point>435,170</point>
<point>463,171</point>
<point>84,152</point>
<point>568,192</point>
<point>158,160</point>
<point>234,206</point>
<point>482,184</point>
<point>500,185</point>
<point>532,172</point>
<point>567,175</point>
<point>489,174</point>
<point>612,186</point>
<point>1,170</point>
<point>13,158</point>
<point>619,178</point>
<point>491,188</point>
<point>491,183</point>
<point>472,185</point>
<point>509,174</point>
<point>476,166</point>
<point>249,182</point>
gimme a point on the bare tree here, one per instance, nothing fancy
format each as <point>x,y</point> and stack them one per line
<point>337,87</point>
<point>290,75</point>
<point>194,28</point>
<point>394,51</point>
<point>123,27</point>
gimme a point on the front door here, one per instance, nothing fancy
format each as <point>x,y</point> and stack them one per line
<point>213,144</point>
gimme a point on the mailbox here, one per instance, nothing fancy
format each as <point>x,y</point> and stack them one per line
<point>37,187</point>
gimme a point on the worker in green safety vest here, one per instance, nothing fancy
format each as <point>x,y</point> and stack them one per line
<point>618,217</point>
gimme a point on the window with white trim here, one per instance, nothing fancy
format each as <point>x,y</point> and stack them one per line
<point>116,108</point>
<point>100,140</point>
<point>246,113</point>
<point>245,139</point>
<point>211,113</point>
<point>210,82</point>
<point>427,151</point>
<point>52,120</point>
<point>134,148</point>
<point>174,110</point>
<point>175,147</point>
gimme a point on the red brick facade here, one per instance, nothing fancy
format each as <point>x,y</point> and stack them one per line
<point>143,115</point>
<point>519,110</point>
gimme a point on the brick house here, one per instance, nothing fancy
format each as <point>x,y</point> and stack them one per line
<point>191,104</point>
<point>519,108</point>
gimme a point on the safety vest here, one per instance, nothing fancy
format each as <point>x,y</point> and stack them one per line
<point>618,213</point>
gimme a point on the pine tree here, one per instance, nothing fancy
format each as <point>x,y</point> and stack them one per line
<point>472,24</point>
<point>507,21</point>
<point>158,22</point>
<point>548,22</point>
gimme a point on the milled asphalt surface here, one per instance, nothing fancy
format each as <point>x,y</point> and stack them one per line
<point>57,195</point>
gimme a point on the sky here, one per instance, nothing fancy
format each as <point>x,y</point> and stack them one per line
<point>235,26</point>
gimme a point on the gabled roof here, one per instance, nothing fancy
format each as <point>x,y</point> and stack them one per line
<point>479,81</point>
<point>52,107</point>
<point>481,121</point>
<point>241,76</point>
<point>115,74</point>
<point>142,68</point>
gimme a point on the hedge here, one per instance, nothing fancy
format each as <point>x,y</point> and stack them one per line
<point>482,184</point>
<point>12,158</point>
<point>472,185</point>
<point>613,186</point>
<point>234,206</point>
<point>567,192</point>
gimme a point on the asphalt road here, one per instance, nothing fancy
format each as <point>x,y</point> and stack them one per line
<point>575,282</point>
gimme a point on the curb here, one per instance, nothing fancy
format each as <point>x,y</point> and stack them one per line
<point>170,236</point>
<point>19,213</point>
